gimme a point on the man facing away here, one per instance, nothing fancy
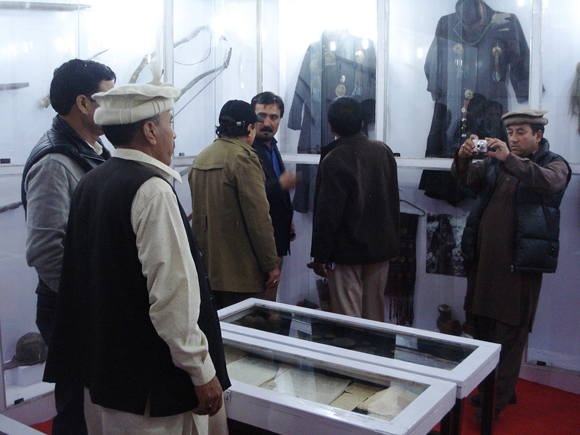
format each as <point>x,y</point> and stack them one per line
<point>270,108</point>
<point>511,236</point>
<point>230,210</point>
<point>135,323</point>
<point>68,150</point>
<point>356,217</point>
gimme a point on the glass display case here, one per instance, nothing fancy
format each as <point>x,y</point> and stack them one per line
<point>288,390</point>
<point>466,362</point>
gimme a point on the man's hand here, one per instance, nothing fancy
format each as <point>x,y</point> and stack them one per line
<point>273,279</point>
<point>210,398</point>
<point>318,268</point>
<point>498,149</point>
<point>287,180</point>
<point>495,148</point>
<point>468,150</point>
<point>292,233</point>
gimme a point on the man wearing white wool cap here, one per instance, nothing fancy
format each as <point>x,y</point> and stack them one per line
<point>136,324</point>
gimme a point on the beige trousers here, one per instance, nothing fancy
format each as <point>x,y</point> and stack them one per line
<point>357,290</point>
<point>104,421</point>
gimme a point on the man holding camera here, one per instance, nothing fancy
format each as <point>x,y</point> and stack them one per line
<point>511,236</point>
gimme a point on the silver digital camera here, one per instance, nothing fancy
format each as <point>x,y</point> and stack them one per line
<point>481,146</point>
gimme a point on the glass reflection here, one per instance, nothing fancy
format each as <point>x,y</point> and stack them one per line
<point>403,347</point>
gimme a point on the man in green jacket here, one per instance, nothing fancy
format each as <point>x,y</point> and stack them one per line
<point>231,212</point>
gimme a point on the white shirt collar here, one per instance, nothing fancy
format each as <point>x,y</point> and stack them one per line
<point>97,147</point>
<point>141,157</point>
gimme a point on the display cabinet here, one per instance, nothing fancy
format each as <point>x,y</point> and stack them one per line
<point>290,390</point>
<point>465,362</point>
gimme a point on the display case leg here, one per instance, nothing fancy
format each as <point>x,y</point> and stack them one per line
<point>445,427</point>
<point>488,403</point>
<point>452,422</point>
<point>457,417</point>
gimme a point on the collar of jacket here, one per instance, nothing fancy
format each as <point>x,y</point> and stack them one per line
<point>341,140</point>
<point>324,151</point>
<point>63,127</point>
<point>258,143</point>
<point>235,141</point>
<point>544,148</point>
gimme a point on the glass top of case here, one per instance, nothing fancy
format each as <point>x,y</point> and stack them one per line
<point>381,342</point>
<point>324,383</point>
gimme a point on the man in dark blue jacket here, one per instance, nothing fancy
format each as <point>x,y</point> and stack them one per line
<point>511,236</point>
<point>279,182</point>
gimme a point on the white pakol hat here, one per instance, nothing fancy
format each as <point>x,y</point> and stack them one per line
<point>134,102</point>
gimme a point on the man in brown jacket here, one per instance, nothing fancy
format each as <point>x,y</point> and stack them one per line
<point>231,212</point>
<point>356,216</point>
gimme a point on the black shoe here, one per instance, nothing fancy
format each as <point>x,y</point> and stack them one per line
<point>513,399</point>
<point>476,400</point>
<point>479,414</point>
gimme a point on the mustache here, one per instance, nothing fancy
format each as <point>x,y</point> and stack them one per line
<point>266,129</point>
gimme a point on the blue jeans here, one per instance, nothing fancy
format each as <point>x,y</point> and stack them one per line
<point>69,399</point>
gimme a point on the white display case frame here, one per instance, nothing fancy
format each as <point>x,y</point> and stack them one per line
<point>467,375</point>
<point>478,368</point>
<point>282,414</point>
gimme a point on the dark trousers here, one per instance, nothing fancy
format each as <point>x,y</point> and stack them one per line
<point>69,399</point>
<point>513,341</point>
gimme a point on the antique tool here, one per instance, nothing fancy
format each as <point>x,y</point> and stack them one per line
<point>11,86</point>
<point>223,66</point>
<point>40,6</point>
<point>217,70</point>
<point>147,58</point>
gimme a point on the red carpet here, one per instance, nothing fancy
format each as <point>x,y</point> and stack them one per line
<point>45,427</point>
<point>540,410</point>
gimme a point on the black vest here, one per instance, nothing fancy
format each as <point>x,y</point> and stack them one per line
<point>63,139</point>
<point>103,337</point>
<point>538,219</point>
